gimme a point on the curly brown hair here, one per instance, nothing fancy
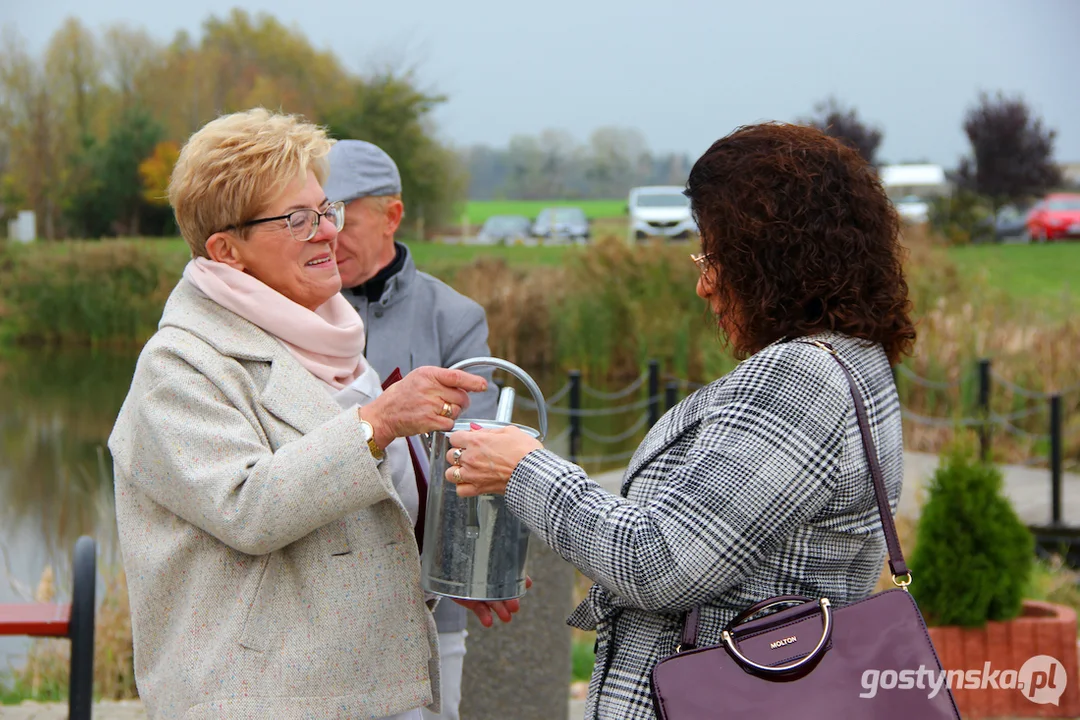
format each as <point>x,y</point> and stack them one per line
<point>800,238</point>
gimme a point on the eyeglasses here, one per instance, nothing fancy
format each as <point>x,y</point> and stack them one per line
<point>702,261</point>
<point>304,224</point>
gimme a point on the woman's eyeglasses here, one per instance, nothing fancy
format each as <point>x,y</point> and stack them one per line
<point>304,224</point>
<point>702,261</point>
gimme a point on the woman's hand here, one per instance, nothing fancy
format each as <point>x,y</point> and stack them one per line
<point>483,609</point>
<point>481,461</point>
<point>425,400</point>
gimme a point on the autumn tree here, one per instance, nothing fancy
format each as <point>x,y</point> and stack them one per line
<point>391,112</point>
<point>31,129</point>
<point>155,172</point>
<point>82,126</point>
<point>844,124</point>
<point>1012,153</point>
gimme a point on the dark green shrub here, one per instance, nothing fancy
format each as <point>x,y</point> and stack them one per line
<point>962,218</point>
<point>973,555</point>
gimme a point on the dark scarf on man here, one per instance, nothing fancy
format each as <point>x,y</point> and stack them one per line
<point>374,287</point>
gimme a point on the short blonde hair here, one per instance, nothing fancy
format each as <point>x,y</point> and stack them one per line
<point>235,166</point>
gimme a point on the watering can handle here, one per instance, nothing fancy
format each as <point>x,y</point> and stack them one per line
<point>537,396</point>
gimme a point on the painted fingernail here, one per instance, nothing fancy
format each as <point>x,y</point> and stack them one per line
<point>474,426</point>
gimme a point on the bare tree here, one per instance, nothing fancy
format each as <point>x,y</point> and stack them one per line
<point>74,66</point>
<point>31,129</point>
<point>130,56</point>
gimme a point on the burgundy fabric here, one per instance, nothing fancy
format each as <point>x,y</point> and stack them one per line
<point>418,470</point>
<point>884,633</point>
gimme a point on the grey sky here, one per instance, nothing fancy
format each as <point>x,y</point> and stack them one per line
<point>683,72</point>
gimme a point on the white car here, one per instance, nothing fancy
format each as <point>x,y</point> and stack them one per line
<point>913,209</point>
<point>660,210</point>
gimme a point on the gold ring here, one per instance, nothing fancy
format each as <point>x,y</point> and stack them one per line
<point>457,455</point>
<point>447,410</point>
<point>457,474</point>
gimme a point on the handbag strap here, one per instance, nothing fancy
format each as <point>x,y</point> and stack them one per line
<point>896,557</point>
<point>897,565</point>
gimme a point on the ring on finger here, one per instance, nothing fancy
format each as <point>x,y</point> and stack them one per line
<point>457,474</point>
<point>457,455</point>
<point>447,410</point>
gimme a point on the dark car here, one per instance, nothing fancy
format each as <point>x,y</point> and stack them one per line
<point>505,229</point>
<point>563,223</point>
<point>1011,222</point>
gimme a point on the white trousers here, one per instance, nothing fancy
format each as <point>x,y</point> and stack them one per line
<point>452,660</point>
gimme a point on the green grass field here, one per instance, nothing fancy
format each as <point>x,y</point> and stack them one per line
<point>442,259</point>
<point>480,210</point>
<point>1046,275</point>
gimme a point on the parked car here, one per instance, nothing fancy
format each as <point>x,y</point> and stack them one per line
<point>562,223</point>
<point>660,210</point>
<point>913,209</point>
<point>506,230</point>
<point>1055,217</point>
<point>1011,222</point>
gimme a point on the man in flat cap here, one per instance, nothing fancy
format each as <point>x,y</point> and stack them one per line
<point>411,319</point>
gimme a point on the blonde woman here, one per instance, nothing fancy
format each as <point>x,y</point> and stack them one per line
<point>271,562</point>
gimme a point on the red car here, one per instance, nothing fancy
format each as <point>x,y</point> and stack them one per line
<point>1055,217</point>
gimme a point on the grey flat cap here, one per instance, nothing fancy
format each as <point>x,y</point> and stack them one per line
<point>359,169</point>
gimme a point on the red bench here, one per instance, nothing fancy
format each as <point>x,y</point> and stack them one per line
<point>74,621</point>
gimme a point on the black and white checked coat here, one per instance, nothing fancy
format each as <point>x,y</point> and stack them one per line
<point>754,486</point>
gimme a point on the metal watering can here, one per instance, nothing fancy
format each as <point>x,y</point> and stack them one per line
<point>474,548</point>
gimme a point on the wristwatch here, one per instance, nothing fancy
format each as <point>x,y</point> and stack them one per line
<point>367,434</point>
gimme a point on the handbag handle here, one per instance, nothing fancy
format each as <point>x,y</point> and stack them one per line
<point>826,633</point>
<point>901,575</point>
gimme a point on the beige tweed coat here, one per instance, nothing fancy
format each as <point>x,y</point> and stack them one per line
<point>272,570</point>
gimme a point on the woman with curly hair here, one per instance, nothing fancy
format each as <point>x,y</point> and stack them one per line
<point>757,485</point>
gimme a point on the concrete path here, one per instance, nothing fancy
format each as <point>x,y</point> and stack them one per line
<point>122,710</point>
<point>1029,489</point>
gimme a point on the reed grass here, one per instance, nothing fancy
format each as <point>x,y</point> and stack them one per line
<point>84,293</point>
<point>605,310</point>
<point>43,677</point>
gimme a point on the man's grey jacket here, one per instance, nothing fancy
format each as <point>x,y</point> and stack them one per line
<point>419,321</point>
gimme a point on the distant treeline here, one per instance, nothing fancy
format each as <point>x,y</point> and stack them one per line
<point>556,165</point>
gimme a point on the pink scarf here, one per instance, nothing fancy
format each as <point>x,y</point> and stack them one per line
<point>329,342</point>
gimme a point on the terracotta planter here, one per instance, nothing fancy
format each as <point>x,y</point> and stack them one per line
<point>1042,629</point>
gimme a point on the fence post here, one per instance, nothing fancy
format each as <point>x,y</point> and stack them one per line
<point>654,391</point>
<point>81,629</point>
<point>1055,456</point>
<point>575,417</point>
<point>671,394</point>
<point>984,409</point>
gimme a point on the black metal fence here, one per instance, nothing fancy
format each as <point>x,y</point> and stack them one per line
<point>644,396</point>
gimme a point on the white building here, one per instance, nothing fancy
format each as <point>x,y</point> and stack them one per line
<point>924,181</point>
<point>911,187</point>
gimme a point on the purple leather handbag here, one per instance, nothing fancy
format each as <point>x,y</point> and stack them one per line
<point>870,659</point>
